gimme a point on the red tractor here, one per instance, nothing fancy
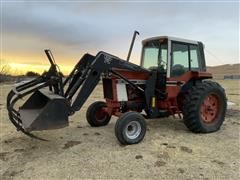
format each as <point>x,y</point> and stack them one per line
<point>171,80</point>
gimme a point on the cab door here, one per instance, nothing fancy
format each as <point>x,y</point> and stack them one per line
<point>184,57</point>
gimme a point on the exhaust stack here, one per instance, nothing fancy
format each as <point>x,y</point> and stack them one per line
<point>132,43</point>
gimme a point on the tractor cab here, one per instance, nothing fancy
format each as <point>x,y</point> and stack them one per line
<point>174,56</point>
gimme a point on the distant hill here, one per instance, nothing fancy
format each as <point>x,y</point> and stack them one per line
<point>226,69</point>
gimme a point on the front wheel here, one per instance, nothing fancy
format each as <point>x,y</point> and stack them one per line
<point>96,116</point>
<point>130,128</point>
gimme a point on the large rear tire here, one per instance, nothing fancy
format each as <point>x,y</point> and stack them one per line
<point>130,128</point>
<point>96,116</point>
<point>204,107</point>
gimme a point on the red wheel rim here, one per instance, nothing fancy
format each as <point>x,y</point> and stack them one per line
<point>210,108</point>
<point>100,115</point>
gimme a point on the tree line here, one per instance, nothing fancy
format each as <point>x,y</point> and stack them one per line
<point>35,74</point>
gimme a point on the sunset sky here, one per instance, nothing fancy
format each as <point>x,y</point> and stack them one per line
<point>72,28</point>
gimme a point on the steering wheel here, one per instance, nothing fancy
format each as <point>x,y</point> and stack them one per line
<point>178,70</point>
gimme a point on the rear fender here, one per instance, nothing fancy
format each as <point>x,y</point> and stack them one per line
<point>177,86</point>
<point>190,79</point>
<point>195,75</point>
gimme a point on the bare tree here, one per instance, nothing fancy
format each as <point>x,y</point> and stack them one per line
<point>5,70</point>
<point>4,73</point>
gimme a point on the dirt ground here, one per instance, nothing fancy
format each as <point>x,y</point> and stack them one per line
<point>169,150</point>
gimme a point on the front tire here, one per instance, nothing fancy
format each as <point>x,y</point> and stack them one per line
<point>130,128</point>
<point>205,107</point>
<point>96,116</point>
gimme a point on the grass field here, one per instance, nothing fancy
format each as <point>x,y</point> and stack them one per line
<point>169,150</point>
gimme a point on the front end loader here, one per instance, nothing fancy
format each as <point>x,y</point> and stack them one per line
<point>171,80</point>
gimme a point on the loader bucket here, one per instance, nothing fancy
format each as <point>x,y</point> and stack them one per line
<point>44,110</point>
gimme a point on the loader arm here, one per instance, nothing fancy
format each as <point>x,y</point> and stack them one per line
<point>103,63</point>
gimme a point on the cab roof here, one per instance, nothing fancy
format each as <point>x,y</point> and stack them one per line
<point>170,38</point>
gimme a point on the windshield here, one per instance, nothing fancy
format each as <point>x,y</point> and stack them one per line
<point>155,55</point>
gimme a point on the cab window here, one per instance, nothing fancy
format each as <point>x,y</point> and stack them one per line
<point>180,59</point>
<point>155,55</point>
<point>150,57</point>
<point>194,57</point>
<point>185,57</point>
